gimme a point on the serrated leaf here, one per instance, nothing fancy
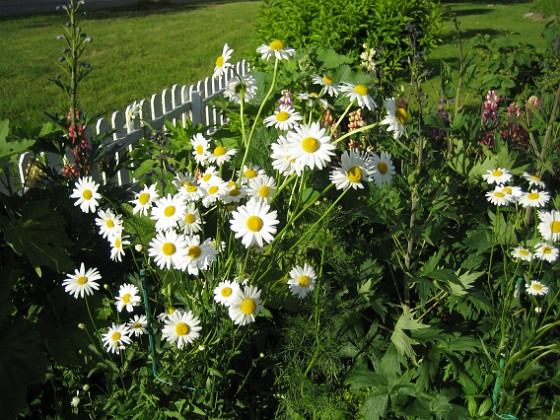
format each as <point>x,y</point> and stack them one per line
<point>375,406</point>
<point>400,339</point>
<point>365,378</point>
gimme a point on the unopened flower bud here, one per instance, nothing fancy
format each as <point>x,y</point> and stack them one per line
<point>82,326</point>
<point>138,247</point>
<point>85,387</point>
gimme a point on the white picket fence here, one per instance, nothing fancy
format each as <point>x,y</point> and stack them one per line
<point>177,104</point>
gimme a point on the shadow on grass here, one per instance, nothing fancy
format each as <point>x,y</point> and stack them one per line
<point>451,37</point>
<point>486,2</point>
<point>469,12</point>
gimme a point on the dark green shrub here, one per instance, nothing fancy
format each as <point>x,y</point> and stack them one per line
<point>396,29</point>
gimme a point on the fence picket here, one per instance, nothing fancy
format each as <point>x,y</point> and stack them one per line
<point>177,104</point>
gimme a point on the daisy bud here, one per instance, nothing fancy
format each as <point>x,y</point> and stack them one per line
<point>82,326</point>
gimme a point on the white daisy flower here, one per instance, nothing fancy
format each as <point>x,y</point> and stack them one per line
<point>184,181</point>
<point>144,199</point>
<point>522,253</point>
<point>327,84</point>
<point>276,49</point>
<point>302,280</point>
<point>82,282</point>
<point>245,305</point>
<point>222,62</point>
<point>116,338</point>
<point>181,328</point>
<point>310,146</point>
<point>498,197</point>
<point>245,87</point>
<point>128,297</point>
<point>138,325</point>
<point>383,168</point>
<point>497,176</point>
<point>235,193</point>
<point>109,223</point>
<point>284,118</point>
<point>192,193</point>
<point>192,222</point>
<point>168,249</point>
<point>262,188</point>
<point>213,191</point>
<point>226,291</point>
<point>534,180</point>
<point>221,155</point>
<point>536,288</point>
<point>168,312</point>
<point>396,118</point>
<point>512,190</point>
<point>86,193</point>
<point>253,223</point>
<point>282,160</point>
<point>168,211</point>
<point>117,246</point>
<point>250,171</point>
<point>358,93</point>
<point>534,199</point>
<point>549,227</point>
<point>201,149</point>
<point>312,98</point>
<point>545,252</point>
<point>208,174</point>
<point>354,170</point>
<point>199,255</point>
<point>132,112</point>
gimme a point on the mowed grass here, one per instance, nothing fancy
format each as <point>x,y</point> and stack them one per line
<point>134,54</point>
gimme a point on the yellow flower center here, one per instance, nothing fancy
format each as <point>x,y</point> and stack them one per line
<point>523,252</point>
<point>126,298</point>
<point>169,211</point>
<point>168,248</point>
<point>250,173</point>
<point>264,191</point>
<point>507,190</point>
<point>497,172</point>
<point>304,281</point>
<point>213,189</point>
<point>401,116</point>
<point>361,90</point>
<point>219,151</point>
<point>190,218</point>
<point>82,280</point>
<point>354,174</point>
<point>277,45</point>
<point>555,227</point>
<point>181,328</point>
<point>535,178</point>
<point>186,184</point>
<point>234,192</point>
<point>382,168</point>
<point>118,243</point>
<point>194,251</point>
<point>499,194</point>
<point>310,144</point>
<point>220,61</point>
<point>87,194</point>
<point>227,291</point>
<point>116,336</point>
<point>282,116</point>
<point>254,223</point>
<point>547,250</point>
<point>143,198</point>
<point>192,188</point>
<point>537,286</point>
<point>328,80</point>
<point>248,306</point>
<point>199,149</point>
<point>110,224</point>
<point>137,325</point>
<point>533,196</point>
<point>207,177</point>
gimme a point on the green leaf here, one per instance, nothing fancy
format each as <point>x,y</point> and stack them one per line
<point>375,406</point>
<point>400,339</point>
<point>39,235</point>
<point>10,150</point>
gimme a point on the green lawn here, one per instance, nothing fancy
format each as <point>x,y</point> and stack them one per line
<point>137,52</point>
<point>134,53</point>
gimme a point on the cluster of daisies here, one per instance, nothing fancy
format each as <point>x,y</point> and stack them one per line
<point>548,227</point>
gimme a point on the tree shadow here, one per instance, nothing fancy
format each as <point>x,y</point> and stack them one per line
<point>449,37</point>
<point>470,12</point>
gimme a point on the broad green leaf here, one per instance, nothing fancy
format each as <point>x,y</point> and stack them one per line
<point>39,235</point>
<point>375,406</point>
<point>365,378</point>
<point>400,339</point>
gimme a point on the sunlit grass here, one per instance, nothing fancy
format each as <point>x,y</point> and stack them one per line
<point>133,54</point>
